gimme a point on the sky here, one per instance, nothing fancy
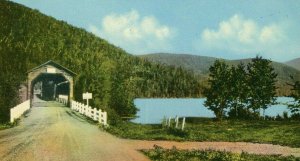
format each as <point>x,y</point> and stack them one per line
<point>229,29</point>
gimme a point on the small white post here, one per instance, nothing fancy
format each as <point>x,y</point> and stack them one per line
<point>169,122</point>
<point>183,123</point>
<point>176,120</point>
<point>12,117</point>
<point>105,118</point>
<point>165,121</point>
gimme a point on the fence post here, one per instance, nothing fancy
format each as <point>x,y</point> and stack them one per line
<point>169,122</point>
<point>176,120</point>
<point>12,115</point>
<point>183,123</point>
<point>105,118</point>
<point>94,113</point>
<point>90,112</point>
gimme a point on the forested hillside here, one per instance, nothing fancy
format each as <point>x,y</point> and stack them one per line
<point>198,64</point>
<point>201,64</point>
<point>29,38</point>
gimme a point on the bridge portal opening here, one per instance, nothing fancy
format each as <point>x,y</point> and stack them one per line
<point>50,80</point>
<point>48,86</point>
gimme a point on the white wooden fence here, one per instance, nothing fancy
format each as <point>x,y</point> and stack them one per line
<point>176,120</point>
<point>63,99</point>
<point>18,111</point>
<point>93,113</point>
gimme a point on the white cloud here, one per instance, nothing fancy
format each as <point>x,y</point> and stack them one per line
<point>135,33</point>
<point>242,36</point>
<point>271,34</point>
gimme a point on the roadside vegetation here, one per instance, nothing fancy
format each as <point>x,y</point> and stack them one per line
<point>160,154</point>
<point>202,129</point>
<point>5,126</point>
<point>9,125</point>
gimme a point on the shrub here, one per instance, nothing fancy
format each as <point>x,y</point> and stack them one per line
<point>113,117</point>
<point>243,114</point>
<point>177,132</point>
<point>158,153</point>
<point>285,115</point>
<point>295,116</point>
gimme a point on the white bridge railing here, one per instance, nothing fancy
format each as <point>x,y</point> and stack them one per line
<point>93,113</point>
<point>19,110</point>
<point>63,99</point>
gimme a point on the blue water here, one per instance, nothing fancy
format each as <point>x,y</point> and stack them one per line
<point>152,111</point>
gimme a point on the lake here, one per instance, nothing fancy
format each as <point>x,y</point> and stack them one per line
<point>153,110</point>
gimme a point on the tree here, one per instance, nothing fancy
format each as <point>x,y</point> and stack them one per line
<point>261,83</point>
<point>238,88</point>
<point>295,106</point>
<point>217,94</point>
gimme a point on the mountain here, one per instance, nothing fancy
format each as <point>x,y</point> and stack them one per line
<point>295,63</point>
<point>29,38</point>
<point>200,65</point>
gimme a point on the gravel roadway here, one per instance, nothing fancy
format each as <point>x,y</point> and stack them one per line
<point>50,131</point>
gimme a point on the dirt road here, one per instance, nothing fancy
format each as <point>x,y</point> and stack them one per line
<point>53,132</point>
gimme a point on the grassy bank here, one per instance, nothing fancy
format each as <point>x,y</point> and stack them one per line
<point>8,125</point>
<point>274,132</point>
<point>4,126</point>
<point>181,155</point>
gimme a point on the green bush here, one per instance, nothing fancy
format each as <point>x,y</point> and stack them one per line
<point>113,117</point>
<point>9,125</point>
<point>295,116</point>
<point>177,132</point>
<point>158,153</point>
<point>243,114</point>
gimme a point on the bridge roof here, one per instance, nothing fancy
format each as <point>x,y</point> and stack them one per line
<point>50,62</point>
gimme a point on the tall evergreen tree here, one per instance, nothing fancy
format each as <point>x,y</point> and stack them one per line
<point>261,82</point>
<point>217,94</point>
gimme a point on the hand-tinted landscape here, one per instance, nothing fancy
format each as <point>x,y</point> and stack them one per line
<point>157,89</point>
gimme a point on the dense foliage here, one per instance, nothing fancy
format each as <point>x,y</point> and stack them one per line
<point>160,154</point>
<point>200,65</point>
<point>261,83</point>
<point>217,95</point>
<point>240,90</point>
<point>295,105</point>
<point>28,39</point>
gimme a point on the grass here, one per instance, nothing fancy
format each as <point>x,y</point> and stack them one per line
<point>5,126</point>
<point>9,125</point>
<point>161,154</point>
<point>275,132</point>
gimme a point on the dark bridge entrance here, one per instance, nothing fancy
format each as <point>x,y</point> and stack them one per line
<point>49,86</point>
<point>49,80</point>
